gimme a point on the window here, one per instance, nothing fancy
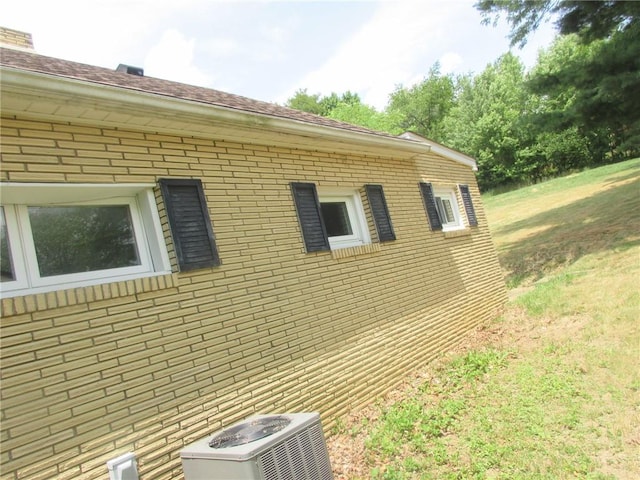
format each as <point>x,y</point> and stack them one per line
<point>447,208</point>
<point>7,251</point>
<point>336,218</point>
<point>64,236</point>
<point>441,204</point>
<point>344,219</point>
<point>333,218</point>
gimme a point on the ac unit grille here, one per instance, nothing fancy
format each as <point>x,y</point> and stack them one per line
<point>296,452</point>
<point>301,457</point>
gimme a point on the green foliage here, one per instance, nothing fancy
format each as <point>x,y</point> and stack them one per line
<point>596,84</point>
<point>366,116</point>
<point>413,424</point>
<point>423,107</point>
<point>305,102</point>
<point>579,107</point>
<point>594,89</point>
<point>82,239</point>
<point>474,364</point>
<point>485,122</point>
<point>592,20</point>
<point>321,105</point>
<point>537,300</point>
<point>524,17</point>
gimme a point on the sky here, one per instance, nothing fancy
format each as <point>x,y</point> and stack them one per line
<point>267,50</point>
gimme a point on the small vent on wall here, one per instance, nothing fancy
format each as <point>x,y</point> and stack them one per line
<point>130,70</point>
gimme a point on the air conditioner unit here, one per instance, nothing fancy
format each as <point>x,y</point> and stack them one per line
<point>264,447</point>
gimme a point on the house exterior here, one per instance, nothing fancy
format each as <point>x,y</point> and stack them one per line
<point>176,259</point>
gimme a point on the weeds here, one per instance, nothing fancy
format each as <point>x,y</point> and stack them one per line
<point>416,429</point>
<point>537,300</point>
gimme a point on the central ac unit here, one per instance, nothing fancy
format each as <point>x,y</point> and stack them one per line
<point>264,447</point>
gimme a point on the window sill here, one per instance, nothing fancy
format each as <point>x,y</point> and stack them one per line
<point>355,251</point>
<point>35,302</point>
<point>463,232</point>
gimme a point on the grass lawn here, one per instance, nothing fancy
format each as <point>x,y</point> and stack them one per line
<point>551,390</point>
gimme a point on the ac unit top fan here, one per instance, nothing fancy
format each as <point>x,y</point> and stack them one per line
<point>249,431</point>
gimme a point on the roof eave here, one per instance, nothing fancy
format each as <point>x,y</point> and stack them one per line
<point>443,151</point>
<point>69,99</point>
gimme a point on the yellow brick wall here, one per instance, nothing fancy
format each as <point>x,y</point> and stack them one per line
<point>15,38</point>
<point>150,365</point>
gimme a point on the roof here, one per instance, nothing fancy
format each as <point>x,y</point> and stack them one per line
<point>33,62</point>
<point>128,99</point>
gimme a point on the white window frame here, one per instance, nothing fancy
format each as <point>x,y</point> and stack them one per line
<point>447,194</point>
<point>355,211</point>
<point>147,229</point>
<point>15,252</point>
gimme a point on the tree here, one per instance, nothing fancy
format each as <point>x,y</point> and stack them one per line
<point>347,108</point>
<point>422,108</point>
<point>305,102</point>
<point>604,78</point>
<point>321,105</point>
<point>486,122</point>
<point>366,116</point>
<point>591,20</point>
<point>567,142</point>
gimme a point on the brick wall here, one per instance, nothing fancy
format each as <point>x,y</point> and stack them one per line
<point>153,364</point>
<point>15,38</point>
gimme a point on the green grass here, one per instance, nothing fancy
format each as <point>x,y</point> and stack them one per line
<point>544,227</point>
<point>552,389</point>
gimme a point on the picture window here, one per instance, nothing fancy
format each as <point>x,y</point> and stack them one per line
<point>64,236</point>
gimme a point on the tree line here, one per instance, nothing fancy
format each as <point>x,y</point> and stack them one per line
<point>578,107</point>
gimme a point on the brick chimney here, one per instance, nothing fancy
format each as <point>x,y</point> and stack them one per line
<point>15,39</point>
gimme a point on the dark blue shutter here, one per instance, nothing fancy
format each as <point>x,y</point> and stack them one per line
<point>430,205</point>
<point>190,223</point>
<point>314,232</point>
<point>380,212</point>
<point>468,205</point>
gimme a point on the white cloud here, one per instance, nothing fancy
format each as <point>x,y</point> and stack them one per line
<point>172,59</point>
<point>222,47</point>
<point>272,41</point>
<point>382,54</point>
<point>98,32</point>
<point>268,50</point>
<point>450,62</point>
<point>402,41</point>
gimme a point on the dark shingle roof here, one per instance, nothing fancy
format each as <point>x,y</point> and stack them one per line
<point>33,62</point>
